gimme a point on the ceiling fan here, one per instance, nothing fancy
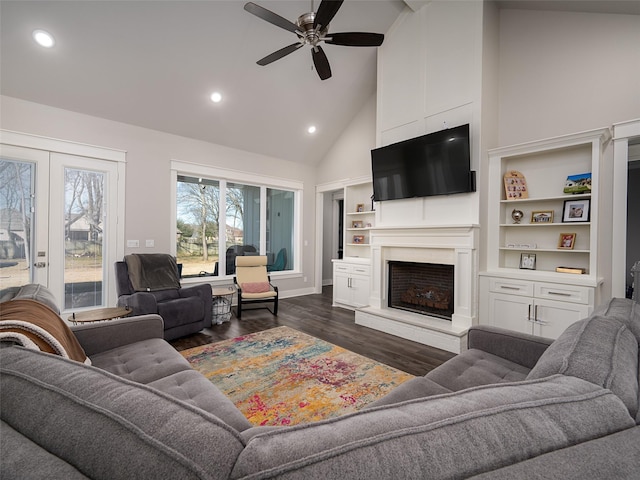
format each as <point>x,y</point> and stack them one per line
<point>311,29</point>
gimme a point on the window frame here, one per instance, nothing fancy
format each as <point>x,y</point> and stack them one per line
<point>225,176</point>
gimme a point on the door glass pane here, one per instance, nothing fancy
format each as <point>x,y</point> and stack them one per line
<point>198,214</point>
<point>243,223</point>
<point>280,232</point>
<point>84,209</point>
<point>16,222</point>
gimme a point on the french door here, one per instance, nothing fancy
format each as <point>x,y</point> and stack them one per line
<point>59,224</point>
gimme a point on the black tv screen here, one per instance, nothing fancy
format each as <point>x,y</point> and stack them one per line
<point>435,164</point>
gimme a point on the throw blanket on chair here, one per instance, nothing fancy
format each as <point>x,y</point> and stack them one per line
<point>33,325</point>
<point>149,272</point>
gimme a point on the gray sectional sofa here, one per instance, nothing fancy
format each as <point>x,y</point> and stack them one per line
<point>512,406</point>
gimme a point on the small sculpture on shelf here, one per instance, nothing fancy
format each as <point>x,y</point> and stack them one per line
<point>517,215</point>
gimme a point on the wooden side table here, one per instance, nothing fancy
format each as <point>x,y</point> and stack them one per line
<point>99,315</point>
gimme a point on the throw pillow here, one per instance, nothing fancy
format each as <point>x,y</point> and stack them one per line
<point>255,287</point>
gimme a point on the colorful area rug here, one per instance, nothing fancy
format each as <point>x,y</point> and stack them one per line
<point>284,377</point>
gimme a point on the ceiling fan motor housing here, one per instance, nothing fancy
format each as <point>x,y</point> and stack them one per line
<point>310,36</point>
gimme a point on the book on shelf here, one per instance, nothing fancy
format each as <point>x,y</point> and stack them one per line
<point>576,270</point>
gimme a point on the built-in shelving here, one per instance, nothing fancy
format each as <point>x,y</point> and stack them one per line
<point>521,288</point>
<point>359,219</point>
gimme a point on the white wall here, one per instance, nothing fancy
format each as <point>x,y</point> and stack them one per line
<point>350,156</point>
<point>563,72</point>
<point>149,153</point>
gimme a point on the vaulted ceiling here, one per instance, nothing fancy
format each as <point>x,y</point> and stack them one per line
<point>155,64</point>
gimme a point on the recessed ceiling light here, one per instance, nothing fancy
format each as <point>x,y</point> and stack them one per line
<point>312,129</point>
<point>216,97</point>
<point>44,39</point>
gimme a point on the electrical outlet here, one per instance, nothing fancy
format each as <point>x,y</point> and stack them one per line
<point>133,243</point>
<point>304,279</point>
<point>149,243</point>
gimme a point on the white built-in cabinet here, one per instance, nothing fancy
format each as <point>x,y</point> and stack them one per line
<point>352,274</point>
<point>543,301</point>
<point>351,280</point>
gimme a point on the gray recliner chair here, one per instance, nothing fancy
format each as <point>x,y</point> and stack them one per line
<point>185,310</point>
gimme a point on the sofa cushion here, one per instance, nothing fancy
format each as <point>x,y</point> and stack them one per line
<point>22,458</point>
<point>142,362</point>
<point>108,427</point>
<point>39,293</point>
<point>193,388</point>
<point>445,436</point>
<point>476,367</point>
<point>601,350</point>
<point>623,309</point>
<point>415,388</point>
<point>612,457</point>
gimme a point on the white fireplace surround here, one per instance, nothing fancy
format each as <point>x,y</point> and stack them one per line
<point>448,245</point>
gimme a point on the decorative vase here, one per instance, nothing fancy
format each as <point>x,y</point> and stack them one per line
<point>517,215</point>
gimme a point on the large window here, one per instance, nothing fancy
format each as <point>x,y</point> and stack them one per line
<point>219,219</point>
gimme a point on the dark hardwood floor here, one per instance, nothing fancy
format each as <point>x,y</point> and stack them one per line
<point>314,315</point>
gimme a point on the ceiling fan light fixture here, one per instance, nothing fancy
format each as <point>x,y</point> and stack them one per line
<point>44,39</point>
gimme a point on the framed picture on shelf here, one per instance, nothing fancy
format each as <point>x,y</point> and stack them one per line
<point>578,183</point>
<point>356,224</point>
<point>360,207</point>
<point>576,210</point>
<point>528,261</point>
<point>542,216</point>
<point>515,186</point>
<point>358,239</point>
<point>567,241</point>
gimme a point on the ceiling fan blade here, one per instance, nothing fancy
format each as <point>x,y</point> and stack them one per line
<point>326,11</point>
<point>270,17</point>
<point>355,39</point>
<point>321,62</point>
<point>279,54</point>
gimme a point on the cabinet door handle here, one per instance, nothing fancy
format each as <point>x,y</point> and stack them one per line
<point>561,294</point>
<point>529,319</point>
<point>349,282</point>
<point>535,317</point>
<point>506,287</point>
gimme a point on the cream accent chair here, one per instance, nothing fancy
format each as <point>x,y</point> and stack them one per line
<point>253,282</point>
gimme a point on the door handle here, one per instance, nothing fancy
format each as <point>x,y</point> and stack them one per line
<point>40,264</point>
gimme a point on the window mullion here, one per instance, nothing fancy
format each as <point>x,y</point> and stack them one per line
<point>222,229</point>
<point>263,220</point>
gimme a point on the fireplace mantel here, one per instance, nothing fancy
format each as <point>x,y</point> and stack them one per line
<point>455,245</point>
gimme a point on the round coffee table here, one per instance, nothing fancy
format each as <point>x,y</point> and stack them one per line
<point>99,315</point>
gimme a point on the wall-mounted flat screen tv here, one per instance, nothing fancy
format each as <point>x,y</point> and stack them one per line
<point>435,164</point>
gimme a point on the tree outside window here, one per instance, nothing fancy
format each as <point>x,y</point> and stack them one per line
<point>204,205</point>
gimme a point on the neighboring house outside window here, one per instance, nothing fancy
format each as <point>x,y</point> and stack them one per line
<point>218,219</point>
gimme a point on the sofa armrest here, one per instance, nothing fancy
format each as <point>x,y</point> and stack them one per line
<point>141,303</point>
<point>520,348</point>
<point>102,336</point>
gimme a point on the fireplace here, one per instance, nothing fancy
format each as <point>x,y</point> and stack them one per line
<point>424,288</point>
<point>451,247</point>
